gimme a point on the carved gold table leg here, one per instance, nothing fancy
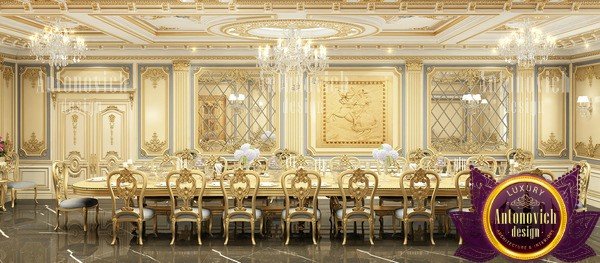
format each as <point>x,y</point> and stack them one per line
<point>3,188</point>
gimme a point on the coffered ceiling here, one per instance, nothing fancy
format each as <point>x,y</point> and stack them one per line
<point>237,28</point>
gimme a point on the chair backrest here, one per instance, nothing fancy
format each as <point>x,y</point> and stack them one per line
<point>416,155</point>
<point>260,165</point>
<point>484,162</point>
<point>435,163</point>
<point>301,185</point>
<point>523,158</point>
<point>303,161</point>
<point>165,163</point>
<point>419,189</point>
<point>59,180</point>
<point>282,157</point>
<point>12,161</point>
<point>210,162</point>
<point>186,185</point>
<point>187,156</point>
<point>243,184</point>
<point>359,188</point>
<point>546,174</point>
<point>462,184</point>
<point>344,162</point>
<point>584,181</point>
<point>128,184</point>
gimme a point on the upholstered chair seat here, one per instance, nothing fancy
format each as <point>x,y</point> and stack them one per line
<point>20,185</point>
<point>246,214</point>
<point>81,202</point>
<point>411,213</point>
<point>188,214</point>
<point>303,214</point>
<point>243,189</point>
<point>363,214</point>
<point>148,214</point>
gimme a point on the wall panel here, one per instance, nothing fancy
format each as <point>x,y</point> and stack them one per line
<point>154,110</point>
<point>33,112</point>
<point>586,137</point>
<point>552,98</point>
<point>7,101</point>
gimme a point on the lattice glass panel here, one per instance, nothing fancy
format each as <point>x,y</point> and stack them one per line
<point>460,126</point>
<point>224,121</point>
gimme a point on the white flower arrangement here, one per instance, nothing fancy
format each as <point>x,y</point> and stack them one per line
<point>385,154</point>
<point>246,154</point>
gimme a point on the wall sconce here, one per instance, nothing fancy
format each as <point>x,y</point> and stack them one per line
<point>237,101</point>
<point>584,106</point>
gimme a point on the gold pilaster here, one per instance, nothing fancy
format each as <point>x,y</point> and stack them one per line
<point>414,104</point>
<point>525,108</point>
<point>182,135</point>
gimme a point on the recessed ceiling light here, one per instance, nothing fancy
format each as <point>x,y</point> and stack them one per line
<point>187,1</point>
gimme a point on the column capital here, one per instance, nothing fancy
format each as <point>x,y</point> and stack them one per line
<point>414,65</point>
<point>524,67</point>
<point>181,65</point>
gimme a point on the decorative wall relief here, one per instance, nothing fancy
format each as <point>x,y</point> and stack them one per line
<point>7,98</point>
<point>154,111</point>
<point>33,115</point>
<point>111,123</point>
<point>74,119</point>
<point>354,109</point>
<point>552,108</point>
<point>119,141</point>
<point>233,107</point>
<point>585,127</point>
<point>84,78</point>
<point>470,110</point>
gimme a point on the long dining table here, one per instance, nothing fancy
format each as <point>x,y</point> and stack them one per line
<point>270,186</point>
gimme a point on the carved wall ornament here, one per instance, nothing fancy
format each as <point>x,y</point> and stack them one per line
<point>93,159</point>
<point>155,145</point>
<point>73,162</point>
<point>181,65</point>
<point>8,73</point>
<point>33,145</point>
<point>155,74</point>
<point>414,65</point>
<point>74,120</point>
<point>587,150</point>
<point>552,145</point>
<point>587,73</point>
<point>111,122</point>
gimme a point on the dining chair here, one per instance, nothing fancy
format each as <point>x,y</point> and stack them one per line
<point>398,166</point>
<point>584,183</point>
<point>546,174</point>
<point>416,185</point>
<point>462,184</point>
<point>163,165</point>
<point>185,186</point>
<point>436,163</point>
<point>342,163</point>
<point>260,165</point>
<point>519,160</point>
<point>415,156</point>
<point>484,163</point>
<point>128,185</point>
<point>214,166</point>
<point>282,156</point>
<point>65,204</point>
<point>303,161</point>
<point>361,185</point>
<point>187,156</point>
<point>243,184</point>
<point>14,184</point>
<point>303,186</point>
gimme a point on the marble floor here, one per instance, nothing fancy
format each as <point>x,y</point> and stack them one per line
<point>27,235</point>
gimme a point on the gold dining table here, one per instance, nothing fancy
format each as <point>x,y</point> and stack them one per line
<point>270,186</point>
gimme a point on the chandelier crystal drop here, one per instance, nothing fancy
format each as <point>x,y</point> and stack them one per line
<point>526,45</point>
<point>57,46</point>
<point>292,57</point>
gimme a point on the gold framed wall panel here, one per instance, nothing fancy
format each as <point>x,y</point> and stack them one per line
<point>354,110</point>
<point>74,133</point>
<point>154,110</point>
<point>113,126</point>
<point>33,110</point>
<point>452,83</point>
<point>7,102</point>
<point>552,110</point>
<point>96,78</point>
<point>586,139</point>
<point>218,127</point>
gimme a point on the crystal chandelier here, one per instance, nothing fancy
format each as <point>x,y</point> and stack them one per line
<point>56,46</point>
<point>526,45</point>
<point>292,57</point>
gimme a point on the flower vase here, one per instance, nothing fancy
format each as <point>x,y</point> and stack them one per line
<point>387,166</point>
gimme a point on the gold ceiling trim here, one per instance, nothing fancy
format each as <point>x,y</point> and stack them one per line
<point>344,30</point>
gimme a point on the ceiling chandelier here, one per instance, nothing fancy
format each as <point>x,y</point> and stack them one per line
<point>57,46</point>
<point>526,45</point>
<point>292,57</point>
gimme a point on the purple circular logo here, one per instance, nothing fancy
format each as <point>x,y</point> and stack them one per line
<point>524,217</point>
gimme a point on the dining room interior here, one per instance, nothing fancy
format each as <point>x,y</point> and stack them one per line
<point>283,130</point>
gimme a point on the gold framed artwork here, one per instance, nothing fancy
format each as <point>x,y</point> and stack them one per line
<point>355,110</point>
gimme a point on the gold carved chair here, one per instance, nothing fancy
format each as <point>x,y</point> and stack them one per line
<point>127,186</point>
<point>416,185</point>
<point>342,163</point>
<point>260,165</point>
<point>282,159</point>
<point>65,204</point>
<point>214,166</point>
<point>187,156</point>
<point>360,184</point>
<point>415,156</point>
<point>584,183</point>
<point>303,186</point>
<point>185,186</point>
<point>385,209</point>
<point>436,163</point>
<point>14,184</point>
<point>243,184</point>
<point>484,163</point>
<point>519,160</point>
<point>546,174</point>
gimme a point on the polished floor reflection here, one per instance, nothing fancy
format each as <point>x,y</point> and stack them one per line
<point>26,235</point>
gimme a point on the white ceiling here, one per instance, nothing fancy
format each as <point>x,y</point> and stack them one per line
<point>382,27</point>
